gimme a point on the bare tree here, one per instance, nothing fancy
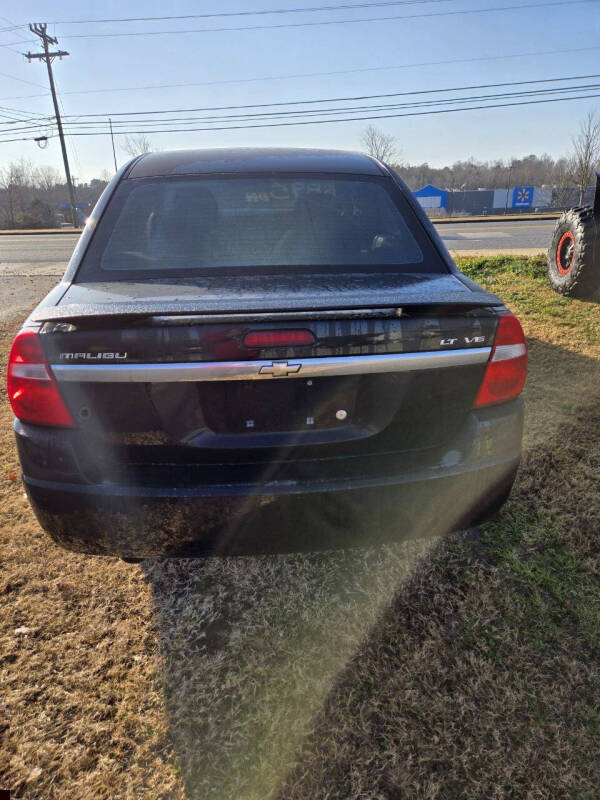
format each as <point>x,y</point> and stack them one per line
<point>16,180</point>
<point>586,153</point>
<point>136,145</point>
<point>563,182</point>
<point>380,145</point>
<point>46,178</point>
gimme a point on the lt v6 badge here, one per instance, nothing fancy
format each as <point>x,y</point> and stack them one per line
<point>465,339</point>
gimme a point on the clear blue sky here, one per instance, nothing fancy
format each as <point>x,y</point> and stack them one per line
<point>112,64</point>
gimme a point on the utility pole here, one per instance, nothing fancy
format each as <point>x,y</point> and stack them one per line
<point>39,28</point>
<point>512,163</point>
<point>112,138</point>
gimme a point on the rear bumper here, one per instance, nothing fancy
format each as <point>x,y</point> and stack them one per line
<point>455,488</point>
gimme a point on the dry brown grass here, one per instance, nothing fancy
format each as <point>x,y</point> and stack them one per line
<point>482,680</point>
<point>428,670</point>
<point>81,711</point>
<point>224,661</point>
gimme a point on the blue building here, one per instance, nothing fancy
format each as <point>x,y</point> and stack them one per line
<point>432,197</point>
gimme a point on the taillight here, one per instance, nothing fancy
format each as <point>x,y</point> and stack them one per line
<point>507,368</point>
<point>278,338</point>
<point>32,390</point>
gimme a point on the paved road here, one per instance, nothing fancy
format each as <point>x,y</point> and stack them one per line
<point>30,265</point>
<point>528,234</point>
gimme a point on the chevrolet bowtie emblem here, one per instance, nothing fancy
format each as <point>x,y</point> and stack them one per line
<point>279,369</point>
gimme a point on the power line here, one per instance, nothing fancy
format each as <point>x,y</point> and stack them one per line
<point>321,111</point>
<point>330,111</point>
<point>78,122</point>
<point>324,121</point>
<point>10,45</point>
<point>21,111</point>
<point>330,22</point>
<point>345,109</point>
<point>149,117</point>
<point>307,24</point>
<point>182,127</point>
<point>10,119</point>
<point>338,99</point>
<point>354,119</point>
<point>349,119</point>
<point>413,65</point>
<point>261,12</point>
<point>21,80</point>
<point>26,39</point>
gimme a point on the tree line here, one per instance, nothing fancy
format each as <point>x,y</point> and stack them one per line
<point>575,170</point>
<point>30,195</point>
<point>531,170</point>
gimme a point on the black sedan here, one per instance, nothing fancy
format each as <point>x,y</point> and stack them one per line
<point>260,351</point>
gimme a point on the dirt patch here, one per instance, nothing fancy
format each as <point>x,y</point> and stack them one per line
<point>20,293</point>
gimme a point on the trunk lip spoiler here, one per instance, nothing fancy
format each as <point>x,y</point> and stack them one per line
<point>171,372</point>
<point>114,311</point>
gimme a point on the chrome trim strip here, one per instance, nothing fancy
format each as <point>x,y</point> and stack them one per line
<point>263,370</point>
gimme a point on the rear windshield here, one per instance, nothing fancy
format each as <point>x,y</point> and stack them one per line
<point>162,227</point>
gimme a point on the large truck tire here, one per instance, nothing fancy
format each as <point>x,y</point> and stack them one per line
<point>574,254</point>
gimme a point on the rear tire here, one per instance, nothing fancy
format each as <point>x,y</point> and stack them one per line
<point>574,254</point>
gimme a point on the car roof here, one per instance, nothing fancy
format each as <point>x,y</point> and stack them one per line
<point>252,159</point>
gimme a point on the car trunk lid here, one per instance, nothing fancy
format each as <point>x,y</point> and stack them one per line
<point>264,293</point>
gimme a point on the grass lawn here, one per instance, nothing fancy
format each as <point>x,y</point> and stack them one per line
<point>462,668</point>
<point>481,679</point>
